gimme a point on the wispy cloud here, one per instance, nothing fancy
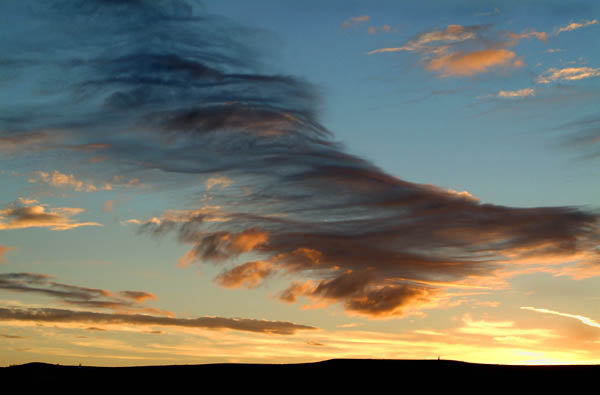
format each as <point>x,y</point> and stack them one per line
<point>582,134</point>
<point>199,106</point>
<point>224,182</point>
<point>61,180</point>
<point>380,29</point>
<point>567,74</point>
<point>505,331</point>
<point>584,320</point>
<point>19,216</point>
<point>519,93</point>
<point>574,26</point>
<point>357,20</point>
<point>424,41</point>
<point>16,143</point>
<point>488,13</point>
<point>48,315</point>
<point>446,51</point>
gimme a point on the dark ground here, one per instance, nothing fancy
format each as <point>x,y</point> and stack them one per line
<point>397,375</point>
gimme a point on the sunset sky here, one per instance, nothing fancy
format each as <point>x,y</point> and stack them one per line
<point>291,181</point>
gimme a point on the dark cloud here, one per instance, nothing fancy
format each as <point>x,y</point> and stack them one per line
<point>163,86</point>
<point>11,336</point>
<point>87,317</point>
<point>43,284</point>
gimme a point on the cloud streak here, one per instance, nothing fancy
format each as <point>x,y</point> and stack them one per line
<point>47,315</point>
<point>584,320</point>
<point>567,74</point>
<point>43,284</point>
<point>200,104</point>
<point>574,26</point>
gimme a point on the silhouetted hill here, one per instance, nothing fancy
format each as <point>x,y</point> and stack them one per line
<point>337,373</point>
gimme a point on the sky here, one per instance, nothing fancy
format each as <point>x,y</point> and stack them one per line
<point>276,181</point>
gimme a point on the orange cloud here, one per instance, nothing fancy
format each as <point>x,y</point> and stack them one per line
<point>471,63</point>
<point>248,240</point>
<point>61,180</point>
<point>452,51</point>
<point>18,216</point>
<point>108,206</point>
<point>219,246</point>
<point>249,275</point>
<point>3,250</point>
<point>290,294</point>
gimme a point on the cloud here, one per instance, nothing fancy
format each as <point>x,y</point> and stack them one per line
<point>488,13</point>
<point>224,182</point>
<point>471,63</point>
<point>504,331</point>
<point>11,336</point>
<point>461,51</point>
<point>138,296</point>
<point>567,74</point>
<point>61,180</point>
<point>296,289</point>
<point>584,320</point>
<point>516,93</point>
<point>249,275</point>
<point>108,206</point>
<point>20,216</point>
<point>25,142</point>
<point>3,250</point>
<point>381,29</point>
<point>43,284</point>
<point>357,20</point>
<point>199,105</point>
<point>542,36</point>
<point>47,315</point>
<point>574,26</point>
<point>421,43</point>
